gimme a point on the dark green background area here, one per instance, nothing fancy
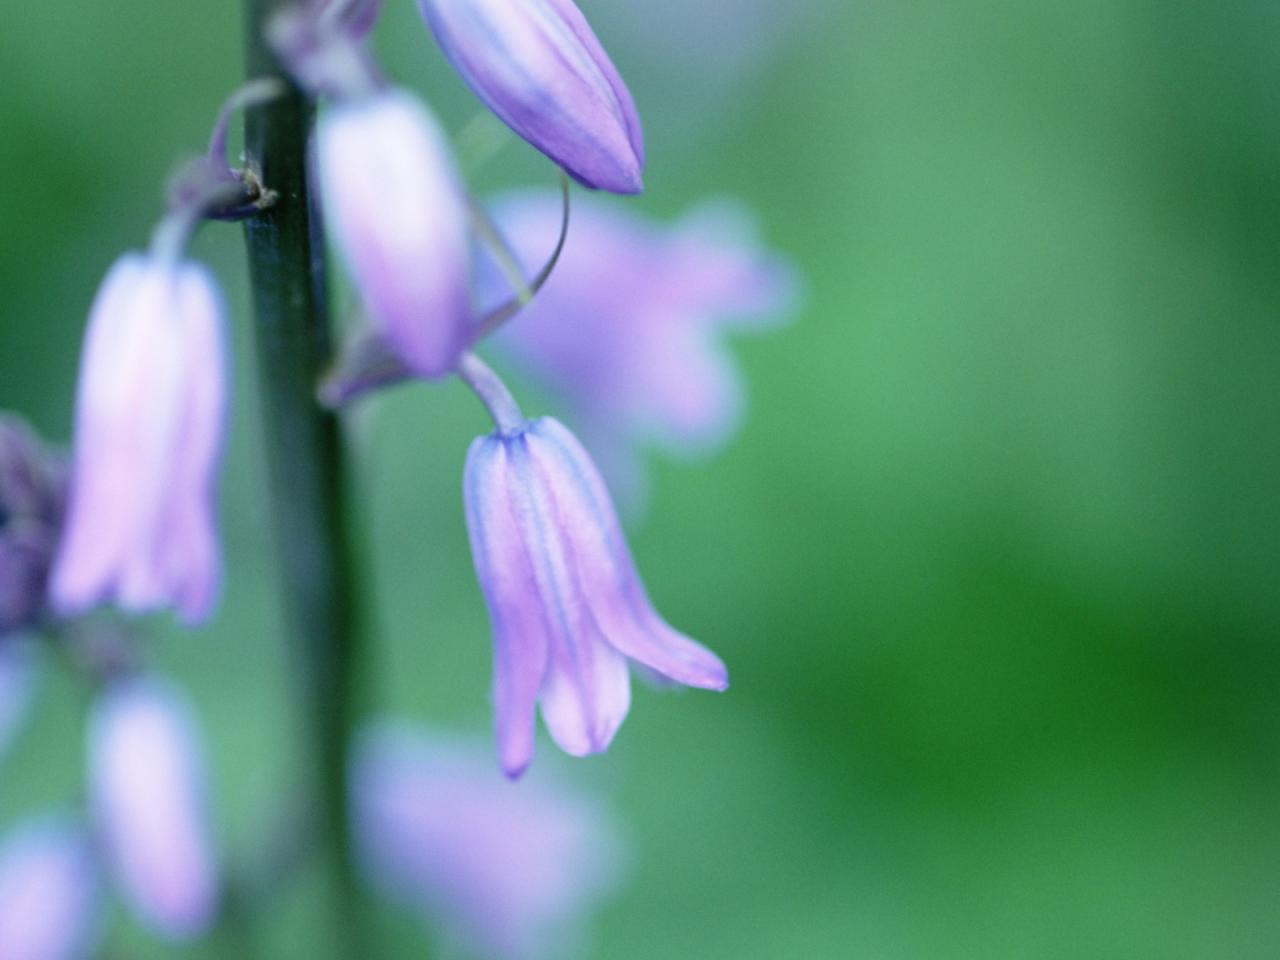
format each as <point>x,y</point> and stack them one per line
<point>994,561</point>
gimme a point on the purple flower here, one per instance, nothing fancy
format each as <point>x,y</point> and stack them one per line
<point>567,606</point>
<point>147,792</point>
<point>148,435</point>
<point>48,896</point>
<point>504,870</point>
<point>393,199</point>
<point>628,329</point>
<point>540,68</point>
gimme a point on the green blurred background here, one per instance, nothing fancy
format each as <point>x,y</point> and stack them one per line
<point>994,561</point>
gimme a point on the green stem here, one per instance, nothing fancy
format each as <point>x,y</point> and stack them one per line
<point>308,473</point>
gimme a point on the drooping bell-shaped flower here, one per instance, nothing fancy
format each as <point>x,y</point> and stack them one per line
<point>567,606</point>
<point>629,329</point>
<point>150,410</point>
<point>539,67</point>
<point>394,203</point>
<point>505,871</point>
<point>147,792</point>
<point>48,892</point>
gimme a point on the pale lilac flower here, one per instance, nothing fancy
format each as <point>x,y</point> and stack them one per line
<point>148,435</point>
<point>566,603</point>
<point>147,792</point>
<point>539,67</point>
<point>48,893</point>
<point>629,328</point>
<point>393,200</point>
<point>503,870</point>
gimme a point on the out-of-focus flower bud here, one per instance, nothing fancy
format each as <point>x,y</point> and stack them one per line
<point>394,203</point>
<point>149,421</point>
<point>148,796</point>
<point>48,893</point>
<point>505,871</point>
<point>539,67</point>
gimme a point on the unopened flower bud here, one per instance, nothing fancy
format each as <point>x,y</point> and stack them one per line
<point>394,203</point>
<point>17,686</point>
<point>149,420</point>
<point>539,67</point>
<point>147,790</point>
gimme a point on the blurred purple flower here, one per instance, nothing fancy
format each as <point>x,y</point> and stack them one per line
<point>539,67</point>
<point>148,436</point>
<point>628,329</point>
<point>566,603</point>
<point>396,207</point>
<point>48,894</point>
<point>32,485</point>
<point>504,870</point>
<point>148,796</point>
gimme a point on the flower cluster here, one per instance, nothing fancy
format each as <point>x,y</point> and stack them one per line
<point>620,317</point>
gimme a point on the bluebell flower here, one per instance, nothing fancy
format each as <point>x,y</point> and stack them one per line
<point>32,489</point>
<point>147,793</point>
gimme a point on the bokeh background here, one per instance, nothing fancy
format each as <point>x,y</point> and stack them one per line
<point>994,561</point>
